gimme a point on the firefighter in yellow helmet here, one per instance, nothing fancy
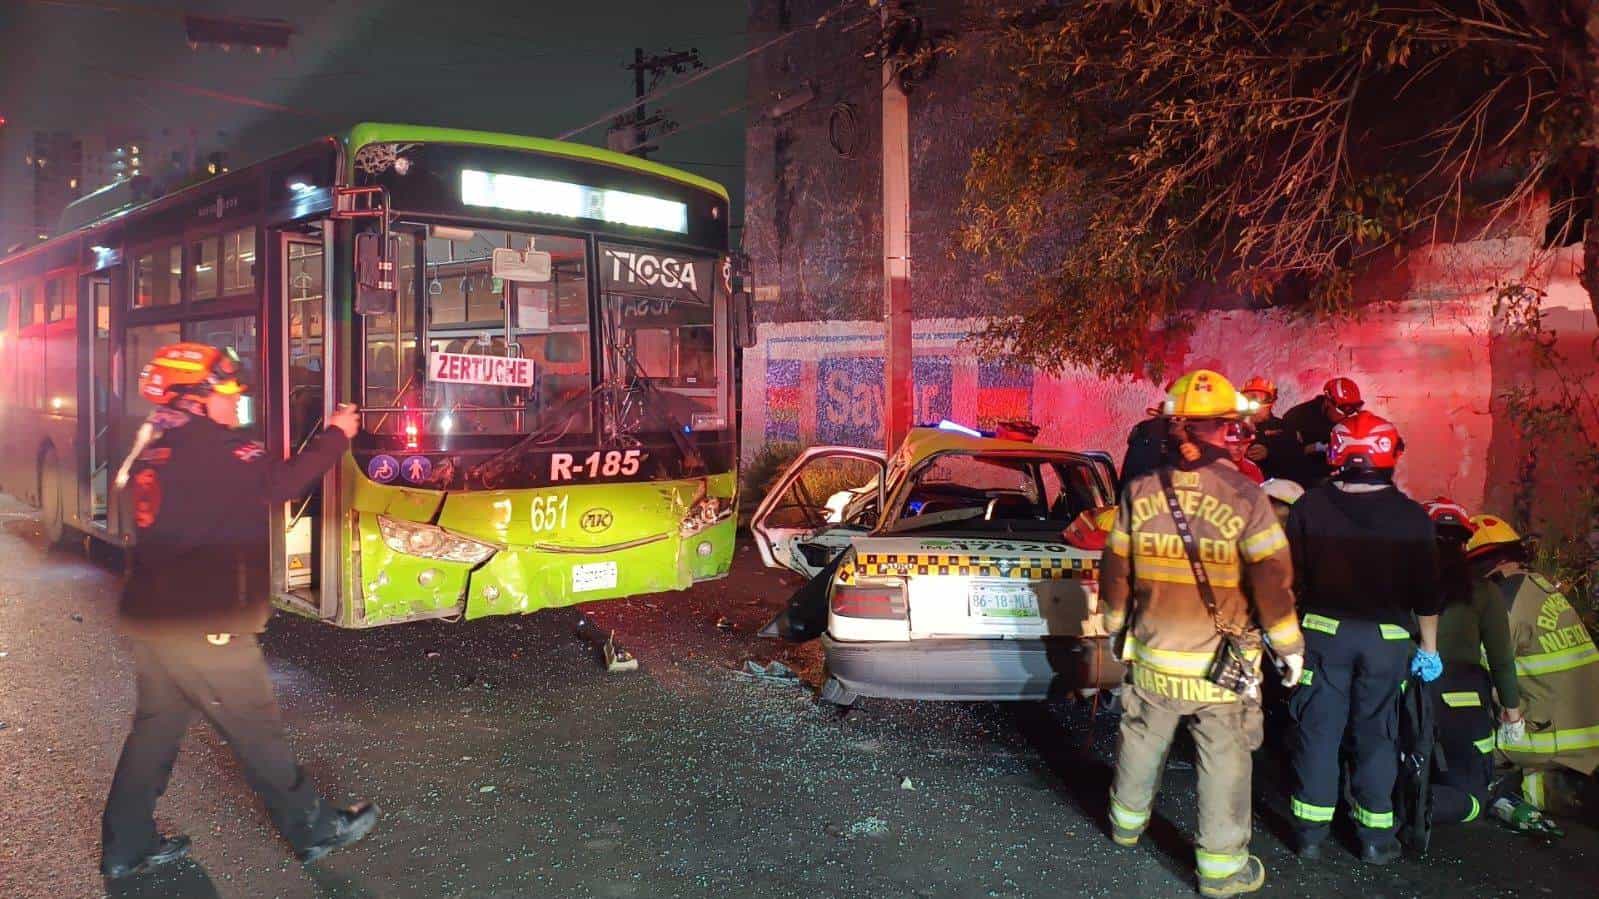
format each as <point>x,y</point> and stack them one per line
<point>1194,559</point>
<point>1557,671</point>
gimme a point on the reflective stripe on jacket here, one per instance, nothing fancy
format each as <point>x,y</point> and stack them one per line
<point>1146,575</point>
<point>1557,669</point>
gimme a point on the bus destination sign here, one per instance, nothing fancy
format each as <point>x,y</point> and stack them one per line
<point>491,371</point>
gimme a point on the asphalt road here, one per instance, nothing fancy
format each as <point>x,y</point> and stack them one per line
<point>508,763</point>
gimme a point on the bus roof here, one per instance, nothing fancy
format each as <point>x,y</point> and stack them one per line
<point>387,133</point>
<point>384,132</point>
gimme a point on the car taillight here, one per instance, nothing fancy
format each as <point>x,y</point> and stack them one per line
<point>868,601</point>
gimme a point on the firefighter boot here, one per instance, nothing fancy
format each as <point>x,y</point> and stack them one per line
<point>1248,879</point>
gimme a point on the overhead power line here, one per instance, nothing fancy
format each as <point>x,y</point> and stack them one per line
<point>654,95</point>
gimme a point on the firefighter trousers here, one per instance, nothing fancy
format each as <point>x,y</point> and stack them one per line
<point>1465,744</point>
<point>1353,672</point>
<point>1225,733</point>
<point>178,679</point>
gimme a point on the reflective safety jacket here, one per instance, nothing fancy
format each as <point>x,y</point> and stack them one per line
<point>1557,670</point>
<point>1147,582</point>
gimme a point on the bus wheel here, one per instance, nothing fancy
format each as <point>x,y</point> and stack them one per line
<point>51,504</point>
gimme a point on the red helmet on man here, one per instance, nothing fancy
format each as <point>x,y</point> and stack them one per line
<point>1446,512</point>
<point>1364,441</point>
<point>190,368</point>
<point>1449,518</point>
<point>1344,394</point>
<point>1240,432</point>
<point>1261,385</point>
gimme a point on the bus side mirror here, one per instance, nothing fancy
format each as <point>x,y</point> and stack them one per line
<point>375,292</point>
<point>743,312</point>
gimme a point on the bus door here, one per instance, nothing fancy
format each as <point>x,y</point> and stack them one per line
<point>304,363</point>
<point>98,401</point>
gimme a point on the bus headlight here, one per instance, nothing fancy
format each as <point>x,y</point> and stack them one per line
<point>430,542</point>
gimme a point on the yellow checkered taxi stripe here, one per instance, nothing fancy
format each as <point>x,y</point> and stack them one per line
<point>916,564</point>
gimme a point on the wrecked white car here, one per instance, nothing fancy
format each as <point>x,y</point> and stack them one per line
<point>942,573</point>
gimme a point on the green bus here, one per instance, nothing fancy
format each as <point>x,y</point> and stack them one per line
<point>544,339</point>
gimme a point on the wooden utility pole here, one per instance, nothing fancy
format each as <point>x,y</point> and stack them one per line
<point>640,140</point>
<point>631,133</point>
<point>898,386</point>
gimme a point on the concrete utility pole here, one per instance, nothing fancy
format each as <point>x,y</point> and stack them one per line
<point>899,386</point>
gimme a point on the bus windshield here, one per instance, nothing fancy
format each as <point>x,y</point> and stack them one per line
<point>537,335</point>
<point>513,357</point>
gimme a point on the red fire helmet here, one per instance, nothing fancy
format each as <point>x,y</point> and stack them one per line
<point>1446,512</point>
<point>1364,441</point>
<point>190,368</point>
<point>1344,393</point>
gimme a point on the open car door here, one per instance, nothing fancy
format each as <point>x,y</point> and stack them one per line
<point>1106,466</point>
<point>824,499</point>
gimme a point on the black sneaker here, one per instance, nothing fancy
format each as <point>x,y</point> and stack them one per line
<point>170,849</point>
<point>349,826</point>
<point>1379,853</point>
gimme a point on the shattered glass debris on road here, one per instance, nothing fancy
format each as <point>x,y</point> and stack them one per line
<point>693,776</point>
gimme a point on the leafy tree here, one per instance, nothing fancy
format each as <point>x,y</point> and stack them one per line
<point>1148,157</point>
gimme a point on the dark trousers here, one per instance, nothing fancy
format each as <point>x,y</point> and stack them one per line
<point>1353,670</point>
<point>1466,743</point>
<point>179,678</point>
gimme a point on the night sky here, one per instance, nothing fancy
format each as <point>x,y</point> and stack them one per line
<point>522,66</point>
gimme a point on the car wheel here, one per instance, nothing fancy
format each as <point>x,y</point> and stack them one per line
<point>834,692</point>
<point>51,504</point>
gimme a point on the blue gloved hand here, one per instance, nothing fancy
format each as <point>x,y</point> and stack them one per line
<point>1426,665</point>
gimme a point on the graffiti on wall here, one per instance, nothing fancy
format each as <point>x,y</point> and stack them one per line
<point>839,399</point>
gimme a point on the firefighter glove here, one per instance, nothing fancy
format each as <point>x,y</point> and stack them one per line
<point>1511,732</point>
<point>1293,668</point>
<point>1426,665</point>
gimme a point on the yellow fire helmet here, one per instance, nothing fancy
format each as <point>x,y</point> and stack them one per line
<point>1203,393</point>
<point>1491,531</point>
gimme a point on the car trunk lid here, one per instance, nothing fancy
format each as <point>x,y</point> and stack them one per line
<point>984,587</point>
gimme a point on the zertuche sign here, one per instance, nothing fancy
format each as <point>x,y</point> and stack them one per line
<point>491,371</point>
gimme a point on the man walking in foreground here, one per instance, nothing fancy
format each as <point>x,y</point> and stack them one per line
<point>200,493</point>
<point>1195,557</point>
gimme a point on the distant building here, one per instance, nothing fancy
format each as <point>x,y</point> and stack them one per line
<point>42,171</point>
<point>57,162</point>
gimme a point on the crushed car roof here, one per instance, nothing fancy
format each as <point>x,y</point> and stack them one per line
<point>923,442</point>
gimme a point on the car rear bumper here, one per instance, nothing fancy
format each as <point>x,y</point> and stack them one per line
<point>973,669</point>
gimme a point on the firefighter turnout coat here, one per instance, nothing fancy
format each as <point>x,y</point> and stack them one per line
<point>1557,670</point>
<point>1146,576</point>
